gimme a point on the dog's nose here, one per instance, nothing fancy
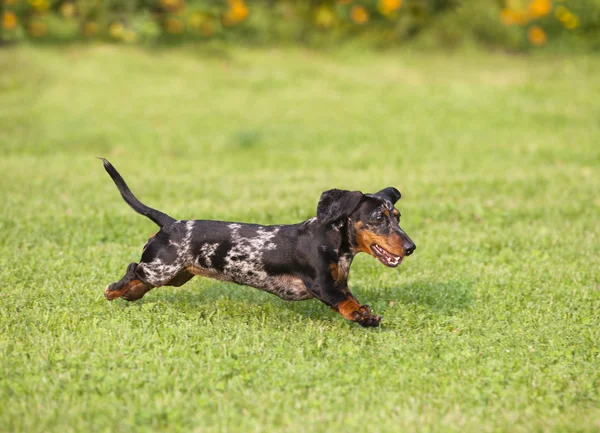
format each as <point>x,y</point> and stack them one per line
<point>408,251</point>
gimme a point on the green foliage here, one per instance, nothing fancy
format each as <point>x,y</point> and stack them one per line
<point>511,24</point>
<point>491,326</point>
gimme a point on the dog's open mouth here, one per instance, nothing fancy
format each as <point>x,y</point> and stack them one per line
<point>386,257</point>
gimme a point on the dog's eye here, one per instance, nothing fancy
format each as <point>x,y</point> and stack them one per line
<point>379,217</point>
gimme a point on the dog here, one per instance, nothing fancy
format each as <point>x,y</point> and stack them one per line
<point>300,261</point>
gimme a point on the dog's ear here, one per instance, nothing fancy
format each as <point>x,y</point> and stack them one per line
<point>390,193</point>
<point>336,204</point>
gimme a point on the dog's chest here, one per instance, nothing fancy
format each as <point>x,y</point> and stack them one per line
<point>243,263</point>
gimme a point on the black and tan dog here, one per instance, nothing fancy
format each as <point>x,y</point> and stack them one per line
<point>295,262</point>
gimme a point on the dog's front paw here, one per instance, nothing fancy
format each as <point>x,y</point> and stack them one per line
<point>366,318</point>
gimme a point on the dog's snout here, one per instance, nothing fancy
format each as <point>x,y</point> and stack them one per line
<point>409,249</point>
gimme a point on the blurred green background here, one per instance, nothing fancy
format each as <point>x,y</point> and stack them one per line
<point>517,25</point>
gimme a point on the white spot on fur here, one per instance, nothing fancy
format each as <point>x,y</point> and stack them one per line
<point>158,273</point>
<point>244,260</point>
<point>244,263</point>
<point>207,251</point>
<point>187,240</point>
<point>344,263</point>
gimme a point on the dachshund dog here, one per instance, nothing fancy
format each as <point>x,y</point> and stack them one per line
<point>300,261</point>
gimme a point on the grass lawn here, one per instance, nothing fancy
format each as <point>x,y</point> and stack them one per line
<point>492,325</point>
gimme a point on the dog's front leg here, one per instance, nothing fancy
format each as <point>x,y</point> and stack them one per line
<point>351,309</point>
<point>343,301</point>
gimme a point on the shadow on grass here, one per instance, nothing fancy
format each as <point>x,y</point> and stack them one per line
<point>238,300</point>
<point>445,297</point>
<point>440,297</point>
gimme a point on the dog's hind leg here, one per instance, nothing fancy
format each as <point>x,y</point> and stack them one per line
<point>130,287</point>
<point>138,291</point>
<point>163,263</point>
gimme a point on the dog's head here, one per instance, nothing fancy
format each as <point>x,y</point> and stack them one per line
<point>373,222</point>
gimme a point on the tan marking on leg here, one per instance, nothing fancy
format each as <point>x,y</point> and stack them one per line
<point>349,309</point>
<point>136,292</point>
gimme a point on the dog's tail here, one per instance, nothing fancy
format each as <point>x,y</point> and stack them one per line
<point>157,216</point>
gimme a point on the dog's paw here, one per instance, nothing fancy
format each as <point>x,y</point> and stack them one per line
<point>366,318</point>
<point>111,293</point>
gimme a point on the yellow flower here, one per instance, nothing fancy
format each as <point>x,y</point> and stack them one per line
<point>567,18</point>
<point>115,30</point>
<point>359,14</point>
<point>174,26</point>
<point>90,28</point>
<point>39,5</point>
<point>537,36</point>
<point>387,7</point>
<point>67,9</point>
<point>36,29</point>
<point>540,8</point>
<point>9,21</point>
<point>324,16</point>
<point>561,12</point>
<point>172,5</point>
<point>202,23</point>
<point>130,36</point>
<point>196,20</point>
<point>514,16</point>
<point>238,11</point>
<point>571,22</point>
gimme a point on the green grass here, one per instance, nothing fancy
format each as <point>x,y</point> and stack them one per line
<point>492,325</point>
